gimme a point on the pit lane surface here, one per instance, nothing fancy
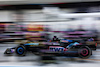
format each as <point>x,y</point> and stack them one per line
<point>33,60</point>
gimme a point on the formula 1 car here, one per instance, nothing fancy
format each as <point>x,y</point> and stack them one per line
<point>69,48</point>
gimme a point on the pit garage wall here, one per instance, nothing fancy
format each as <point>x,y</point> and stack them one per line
<point>6,16</point>
<point>38,17</point>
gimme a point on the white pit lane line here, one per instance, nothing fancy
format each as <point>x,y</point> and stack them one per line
<point>95,55</point>
<point>97,49</point>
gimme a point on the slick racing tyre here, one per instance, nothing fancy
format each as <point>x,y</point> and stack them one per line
<point>21,50</point>
<point>84,52</point>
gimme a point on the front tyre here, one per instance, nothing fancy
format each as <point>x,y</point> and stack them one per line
<point>21,50</point>
<point>84,52</point>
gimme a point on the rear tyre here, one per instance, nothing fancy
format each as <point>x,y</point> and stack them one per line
<point>21,50</point>
<point>84,52</point>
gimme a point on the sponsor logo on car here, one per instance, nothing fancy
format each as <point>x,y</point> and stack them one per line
<point>56,48</point>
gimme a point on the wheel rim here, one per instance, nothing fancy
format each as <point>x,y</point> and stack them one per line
<point>20,50</point>
<point>84,52</point>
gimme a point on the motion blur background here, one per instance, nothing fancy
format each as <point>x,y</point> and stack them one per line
<point>70,19</point>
